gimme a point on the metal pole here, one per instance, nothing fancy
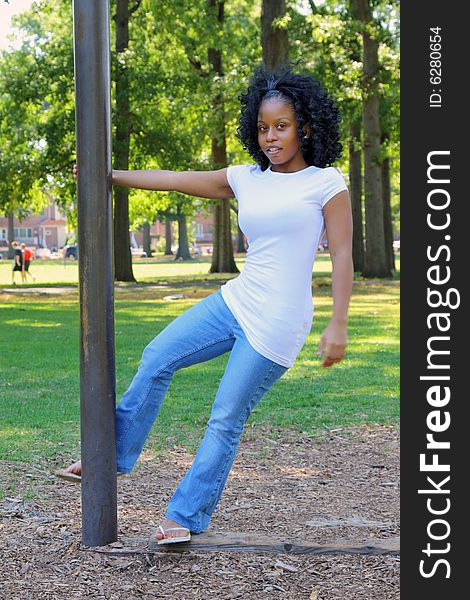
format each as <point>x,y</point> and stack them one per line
<point>96,273</point>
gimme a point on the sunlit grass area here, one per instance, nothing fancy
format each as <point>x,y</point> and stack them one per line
<point>146,270</point>
<point>39,370</point>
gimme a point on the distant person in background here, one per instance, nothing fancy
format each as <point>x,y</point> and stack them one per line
<point>27,258</point>
<point>18,264</point>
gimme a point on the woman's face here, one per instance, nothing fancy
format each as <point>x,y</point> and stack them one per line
<point>278,136</point>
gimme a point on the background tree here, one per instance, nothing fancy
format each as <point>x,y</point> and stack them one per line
<point>330,49</point>
<point>180,104</point>
<point>144,209</point>
<point>22,122</point>
<point>168,250</point>
<point>355,191</point>
<point>182,203</point>
<point>165,132</point>
<point>389,118</point>
<point>222,255</point>
<point>274,33</point>
<point>329,44</point>
<point>376,264</point>
<point>220,53</point>
<point>122,120</point>
<point>147,240</point>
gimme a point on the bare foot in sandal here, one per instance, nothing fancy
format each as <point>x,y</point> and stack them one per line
<point>72,473</point>
<point>76,468</point>
<point>171,532</point>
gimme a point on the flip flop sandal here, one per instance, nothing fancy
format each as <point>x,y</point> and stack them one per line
<point>172,540</point>
<point>74,478</point>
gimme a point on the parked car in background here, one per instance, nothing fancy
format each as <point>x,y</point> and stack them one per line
<point>138,252</point>
<point>43,253</point>
<point>71,251</point>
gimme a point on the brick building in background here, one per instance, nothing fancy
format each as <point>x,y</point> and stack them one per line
<point>200,229</point>
<point>45,230</point>
<point>49,230</point>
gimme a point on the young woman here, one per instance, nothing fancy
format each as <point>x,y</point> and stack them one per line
<point>290,127</point>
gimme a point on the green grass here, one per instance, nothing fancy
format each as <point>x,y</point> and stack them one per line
<point>39,386</point>
<point>57,272</point>
<point>148,270</point>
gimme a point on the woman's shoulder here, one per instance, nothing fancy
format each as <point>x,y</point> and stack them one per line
<point>333,175</point>
<point>333,183</point>
<point>246,168</point>
<point>243,172</point>
<point>332,171</point>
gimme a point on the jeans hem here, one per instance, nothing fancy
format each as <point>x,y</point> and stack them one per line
<point>182,521</point>
<point>124,470</point>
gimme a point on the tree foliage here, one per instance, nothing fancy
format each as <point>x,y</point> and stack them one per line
<point>171,86</point>
<point>37,112</point>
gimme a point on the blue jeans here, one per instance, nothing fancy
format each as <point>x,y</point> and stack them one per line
<point>206,330</point>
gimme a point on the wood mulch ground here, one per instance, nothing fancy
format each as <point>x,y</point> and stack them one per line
<point>340,488</point>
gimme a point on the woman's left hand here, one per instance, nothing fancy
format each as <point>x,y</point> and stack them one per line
<point>333,343</point>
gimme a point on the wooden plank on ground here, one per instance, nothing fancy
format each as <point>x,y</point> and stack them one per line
<point>238,542</point>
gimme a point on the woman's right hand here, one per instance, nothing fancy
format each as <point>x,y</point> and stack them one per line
<point>75,173</point>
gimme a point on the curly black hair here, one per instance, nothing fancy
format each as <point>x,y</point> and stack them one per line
<point>312,106</point>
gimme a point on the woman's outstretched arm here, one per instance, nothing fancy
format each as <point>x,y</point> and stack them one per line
<point>206,184</point>
<point>338,221</point>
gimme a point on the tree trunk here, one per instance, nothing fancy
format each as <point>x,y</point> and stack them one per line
<point>355,188</point>
<point>375,257</point>
<point>168,250</point>
<point>11,233</point>
<point>387,204</point>
<point>222,258</point>
<point>183,246</point>
<point>241,245</point>
<point>147,241</point>
<point>122,246</point>
<point>274,41</point>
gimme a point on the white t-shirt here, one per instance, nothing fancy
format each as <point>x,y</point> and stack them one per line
<point>281,215</point>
